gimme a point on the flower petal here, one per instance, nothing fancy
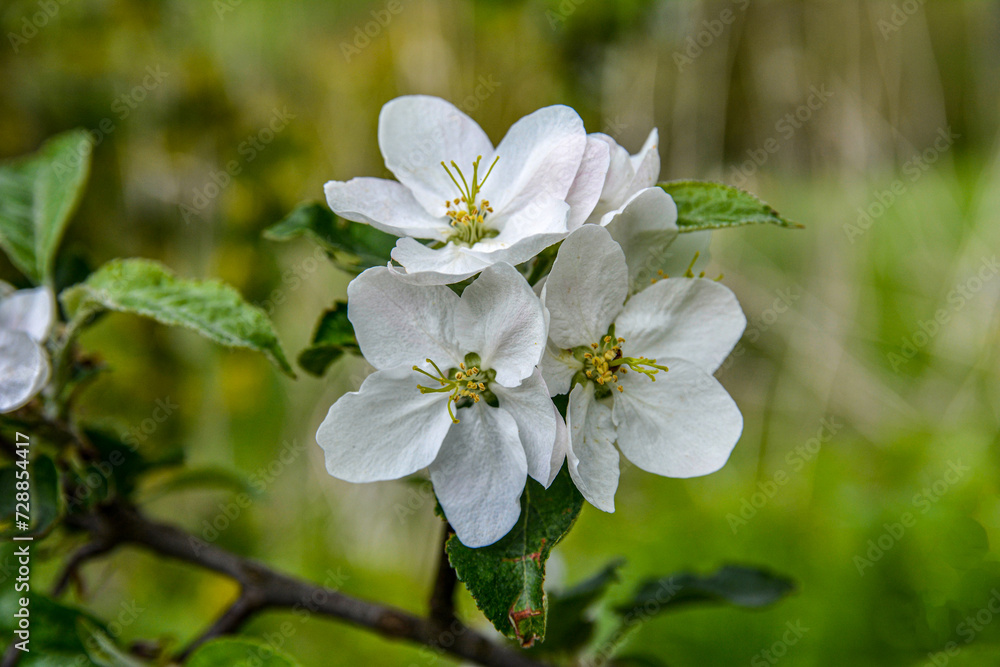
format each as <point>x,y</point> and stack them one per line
<point>592,457</point>
<point>30,311</point>
<point>688,318</point>
<point>385,205</point>
<point>586,190</point>
<point>679,256</point>
<point>500,319</point>
<point>531,408</point>
<point>644,227</point>
<point>479,475</point>
<point>416,133</point>
<point>646,163</point>
<point>682,425</point>
<point>540,155</point>
<point>24,369</point>
<point>560,448</point>
<point>558,368</point>
<point>435,266</point>
<point>399,324</point>
<point>586,287</point>
<point>387,430</point>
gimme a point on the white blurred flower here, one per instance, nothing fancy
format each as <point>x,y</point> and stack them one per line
<point>612,356</point>
<point>25,320</point>
<point>476,204</point>
<point>456,389</point>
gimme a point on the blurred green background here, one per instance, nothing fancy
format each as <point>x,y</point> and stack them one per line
<point>868,376</point>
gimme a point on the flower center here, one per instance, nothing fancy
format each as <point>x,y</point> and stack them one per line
<point>468,216</point>
<point>468,384</point>
<point>604,361</point>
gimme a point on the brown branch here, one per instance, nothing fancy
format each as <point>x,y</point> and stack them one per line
<point>263,588</point>
<point>442,602</point>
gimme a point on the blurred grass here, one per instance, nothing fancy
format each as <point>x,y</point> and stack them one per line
<point>857,299</point>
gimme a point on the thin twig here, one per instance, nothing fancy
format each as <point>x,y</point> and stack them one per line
<point>442,602</point>
<point>263,588</point>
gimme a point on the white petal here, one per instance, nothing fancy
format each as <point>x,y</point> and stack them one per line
<point>539,156</point>
<point>545,216</point>
<point>621,173</point>
<point>387,430</point>
<point>644,227</point>
<point>502,320</point>
<point>586,190</point>
<point>435,266</point>
<point>385,205</point>
<point>24,369</point>
<point>646,163</point>
<point>30,311</point>
<point>558,368</point>
<point>416,134</point>
<point>592,457</point>
<point>682,425</point>
<point>688,318</point>
<point>399,324</point>
<point>586,287</point>
<point>532,409</point>
<point>479,475</point>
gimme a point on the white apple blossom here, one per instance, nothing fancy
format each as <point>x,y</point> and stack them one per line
<point>638,370</point>
<point>25,320</point>
<point>475,205</point>
<point>456,389</point>
<point>641,217</point>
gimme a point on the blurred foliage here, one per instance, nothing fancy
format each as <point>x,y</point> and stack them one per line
<point>868,376</point>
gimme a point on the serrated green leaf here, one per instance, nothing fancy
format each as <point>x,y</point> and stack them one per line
<point>737,585</point>
<point>239,651</point>
<point>506,579</point>
<point>38,194</point>
<point>353,246</point>
<point>212,308</point>
<point>704,205</point>
<point>333,337</point>
<point>569,625</point>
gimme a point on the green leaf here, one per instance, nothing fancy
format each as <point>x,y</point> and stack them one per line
<point>333,337</point>
<point>54,640</point>
<point>147,288</point>
<point>506,579</point>
<point>737,585</point>
<point>353,246</point>
<point>703,205</point>
<point>46,495</point>
<point>102,649</point>
<point>38,194</point>
<point>198,478</point>
<point>226,652</point>
<point>569,625</point>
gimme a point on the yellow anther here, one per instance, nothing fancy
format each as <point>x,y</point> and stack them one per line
<point>621,388</point>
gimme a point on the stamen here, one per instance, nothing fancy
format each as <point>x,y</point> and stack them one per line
<point>464,385</point>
